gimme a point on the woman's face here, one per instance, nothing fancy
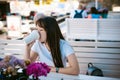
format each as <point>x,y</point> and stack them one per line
<point>42,33</point>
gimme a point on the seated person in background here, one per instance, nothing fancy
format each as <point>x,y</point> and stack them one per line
<point>79,11</point>
<point>52,49</point>
<point>94,13</point>
<point>36,17</point>
<point>104,13</point>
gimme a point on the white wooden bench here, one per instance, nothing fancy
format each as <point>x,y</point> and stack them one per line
<point>104,55</point>
<point>108,29</point>
<point>12,47</point>
<point>93,29</point>
<point>81,29</point>
<point>114,15</point>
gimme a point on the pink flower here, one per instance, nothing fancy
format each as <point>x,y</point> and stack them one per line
<point>37,69</point>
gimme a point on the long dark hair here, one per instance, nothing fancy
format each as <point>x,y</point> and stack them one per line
<point>93,10</point>
<point>53,38</point>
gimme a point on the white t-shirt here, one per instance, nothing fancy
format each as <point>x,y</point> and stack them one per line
<point>46,57</point>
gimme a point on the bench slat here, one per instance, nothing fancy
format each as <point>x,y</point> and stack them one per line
<point>97,55</point>
<point>12,47</point>
<point>104,55</point>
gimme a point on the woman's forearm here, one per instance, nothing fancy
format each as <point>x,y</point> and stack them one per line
<point>28,50</point>
<point>27,54</point>
<point>67,70</point>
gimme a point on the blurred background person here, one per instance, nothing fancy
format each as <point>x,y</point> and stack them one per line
<point>80,10</point>
<point>94,13</point>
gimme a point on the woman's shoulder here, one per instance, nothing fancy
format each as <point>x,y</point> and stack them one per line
<point>36,44</point>
<point>64,43</point>
<point>66,48</point>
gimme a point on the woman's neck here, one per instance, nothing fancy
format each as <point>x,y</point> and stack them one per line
<point>47,46</point>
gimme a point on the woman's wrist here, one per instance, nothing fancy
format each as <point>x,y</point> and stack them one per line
<point>57,70</point>
<point>54,69</point>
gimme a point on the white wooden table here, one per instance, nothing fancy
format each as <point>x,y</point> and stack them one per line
<point>58,76</point>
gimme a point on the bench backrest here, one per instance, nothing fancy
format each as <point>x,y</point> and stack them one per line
<point>104,55</point>
<point>93,29</point>
<point>81,28</point>
<point>109,29</point>
<point>12,47</point>
<point>114,15</point>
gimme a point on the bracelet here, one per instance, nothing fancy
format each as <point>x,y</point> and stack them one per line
<point>57,70</point>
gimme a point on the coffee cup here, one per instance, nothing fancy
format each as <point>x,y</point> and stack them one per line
<point>34,35</point>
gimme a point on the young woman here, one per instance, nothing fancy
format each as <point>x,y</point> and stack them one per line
<point>52,49</point>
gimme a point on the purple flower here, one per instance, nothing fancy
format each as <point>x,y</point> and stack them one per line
<point>37,69</point>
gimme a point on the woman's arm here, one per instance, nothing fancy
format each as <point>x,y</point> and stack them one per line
<point>27,54</point>
<point>30,54</point>
<point>89,16</point>
<point>72,69</point>
<point>33,56</point>
<point>100,17</point>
